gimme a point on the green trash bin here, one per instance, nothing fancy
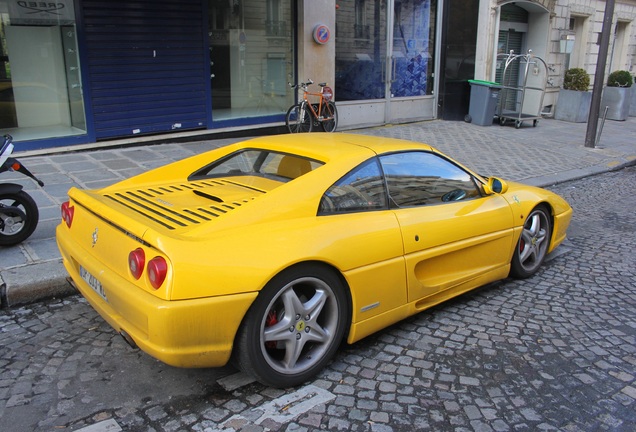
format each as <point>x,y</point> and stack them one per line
<point>484,96</point>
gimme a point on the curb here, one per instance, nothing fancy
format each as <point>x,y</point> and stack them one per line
<point>34,282</point>
<point>578,173</point>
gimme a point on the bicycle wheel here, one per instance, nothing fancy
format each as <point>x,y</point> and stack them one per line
<point>298,119</point>
<point>330,114</point>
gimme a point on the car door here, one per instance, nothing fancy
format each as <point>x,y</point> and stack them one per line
<point>370,251</point>
<point>451,233</point>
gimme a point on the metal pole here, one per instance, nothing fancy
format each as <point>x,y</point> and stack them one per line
<point>599,77</point>
<point>600,131</point>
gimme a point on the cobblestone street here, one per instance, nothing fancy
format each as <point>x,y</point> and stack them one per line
<point>554,352</point>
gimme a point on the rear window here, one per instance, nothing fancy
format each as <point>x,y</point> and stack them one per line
<point>254,162</point>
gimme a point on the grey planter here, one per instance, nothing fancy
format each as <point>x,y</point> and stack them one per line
<point>573,106</point>
<point>618,101</point>
<point>632,105</point>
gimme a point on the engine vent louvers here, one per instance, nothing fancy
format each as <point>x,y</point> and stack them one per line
<point>153,203</point>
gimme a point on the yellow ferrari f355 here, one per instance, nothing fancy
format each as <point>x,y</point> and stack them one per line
<point>273,251</point>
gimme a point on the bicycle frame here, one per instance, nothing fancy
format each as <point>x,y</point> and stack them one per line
<point>317,115</point>
<point>321,103</point>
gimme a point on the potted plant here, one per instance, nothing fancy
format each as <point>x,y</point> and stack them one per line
<point>574,100</point>
<point>616,95</point>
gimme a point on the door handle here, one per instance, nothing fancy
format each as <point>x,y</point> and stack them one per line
<point>393,62</point>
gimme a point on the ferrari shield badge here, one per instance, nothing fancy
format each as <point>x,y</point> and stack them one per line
<point>94,238</point>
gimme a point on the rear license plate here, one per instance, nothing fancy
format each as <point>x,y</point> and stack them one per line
<point>92,281</point>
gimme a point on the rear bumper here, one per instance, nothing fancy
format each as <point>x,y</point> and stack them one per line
<point>186,333</point>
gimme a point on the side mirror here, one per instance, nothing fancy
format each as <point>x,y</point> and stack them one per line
<point>495,185</point>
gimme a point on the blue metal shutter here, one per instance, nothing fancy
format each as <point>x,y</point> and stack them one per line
<point>146,65</point>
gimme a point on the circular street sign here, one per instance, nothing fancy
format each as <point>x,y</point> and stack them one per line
<point>321,34</point>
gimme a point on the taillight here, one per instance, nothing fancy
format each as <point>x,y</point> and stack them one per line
<point>157,271</point>
<point>67,213</point>
<point>157,268</point>
<point>136,262</point>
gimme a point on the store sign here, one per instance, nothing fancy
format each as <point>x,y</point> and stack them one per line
<point>25,12</point>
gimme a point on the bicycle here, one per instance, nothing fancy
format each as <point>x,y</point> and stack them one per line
<point>303,116</point>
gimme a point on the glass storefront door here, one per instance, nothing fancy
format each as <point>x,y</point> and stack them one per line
<point>40,85</point>
<point>361,50</point>
<point>251,58</point>
<point>385,52</point>
<point>413,49</point>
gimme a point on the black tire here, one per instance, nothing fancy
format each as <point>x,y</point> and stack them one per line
<point>468,118</point>
<point>281,342</point>
<point>298,119</point>
<point>533,244</point>
<point>19,217</point>
<point>331,113</point>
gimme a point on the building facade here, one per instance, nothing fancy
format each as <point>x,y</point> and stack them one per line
<point>80,72</point>
<point>566,34</point>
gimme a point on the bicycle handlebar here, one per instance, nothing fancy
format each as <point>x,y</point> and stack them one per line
<point>306,84</point>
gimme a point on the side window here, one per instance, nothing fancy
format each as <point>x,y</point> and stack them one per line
<point>363,189</point>
<point>421,178</point>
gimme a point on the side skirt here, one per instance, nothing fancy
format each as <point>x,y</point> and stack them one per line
<point>367,327</point>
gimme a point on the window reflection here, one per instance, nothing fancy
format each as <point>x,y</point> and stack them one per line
<point>362,189</point>
<point>421,178</point>
<point>361,40</point>
<point>40,83</point>
<point>251,57</point>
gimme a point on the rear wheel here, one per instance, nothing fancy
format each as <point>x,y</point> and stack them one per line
<point>294,327</point>
<point>532,247</point>
<point>298,119</point>
<point>330,114</point>
<point>18,217</point>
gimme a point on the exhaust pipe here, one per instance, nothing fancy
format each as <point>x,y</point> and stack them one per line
<point>129,340</point>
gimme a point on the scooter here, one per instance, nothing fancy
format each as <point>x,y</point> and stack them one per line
<point>18,211</point>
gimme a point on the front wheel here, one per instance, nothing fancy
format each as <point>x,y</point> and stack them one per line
<point>18,217</point>
<point>330,114</point>
<point>298,119</point>
<point>532,247</point>
<point>294,327</point>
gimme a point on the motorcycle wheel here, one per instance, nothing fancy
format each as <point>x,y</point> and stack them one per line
<point>18,217</point>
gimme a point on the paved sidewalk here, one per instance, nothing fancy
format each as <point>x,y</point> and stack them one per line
<point>550,153</point>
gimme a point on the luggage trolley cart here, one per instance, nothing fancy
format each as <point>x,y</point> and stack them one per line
<point>523,84</point>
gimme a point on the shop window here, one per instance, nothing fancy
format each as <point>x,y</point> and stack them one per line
<point>40,80</point>
<point>361,49</point>
<point>251,59</point>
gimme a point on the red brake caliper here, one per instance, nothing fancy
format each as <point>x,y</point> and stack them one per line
<point>271,320</point>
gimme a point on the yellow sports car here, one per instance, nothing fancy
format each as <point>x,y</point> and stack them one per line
<point>274,250</point>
